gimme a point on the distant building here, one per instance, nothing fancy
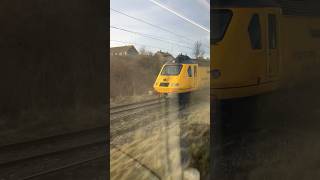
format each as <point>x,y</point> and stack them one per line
<point>123,51</point>
<point>164,56</point>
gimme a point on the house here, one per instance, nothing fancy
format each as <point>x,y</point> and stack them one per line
<point>164,56</point>
<point>123,51</point>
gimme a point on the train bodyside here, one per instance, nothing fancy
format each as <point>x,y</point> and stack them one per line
<point>300,60</point>
<point>204,75</point>
<point>253,48</point>
<point>181,78</point>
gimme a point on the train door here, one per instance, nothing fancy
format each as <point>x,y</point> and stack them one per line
<point>190,77</point>
<point>273,57</point>
<point>195,76</point>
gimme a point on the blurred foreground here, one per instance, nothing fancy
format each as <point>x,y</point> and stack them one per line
<point>272,136</point>
<point>168,140</point>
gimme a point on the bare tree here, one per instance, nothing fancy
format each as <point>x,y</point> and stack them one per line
<point>143,50</point>
<point>198,52</point>
<point>149,53</point>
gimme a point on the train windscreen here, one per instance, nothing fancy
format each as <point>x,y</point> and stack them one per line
<point>171,70</point>
<point>220,19</point>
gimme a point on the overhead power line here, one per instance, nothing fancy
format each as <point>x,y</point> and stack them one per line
<point>149,36</point>
<point>156,26</point>
<point>182,44</point>
<point>153,25</point>
<point>179,15</point>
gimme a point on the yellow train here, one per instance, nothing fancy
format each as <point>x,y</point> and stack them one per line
<point>182,75</point>
<point>258,47</point>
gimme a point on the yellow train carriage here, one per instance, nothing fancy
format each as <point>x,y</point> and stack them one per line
<point>204,74</point>
<point>182,76</point>
<point>253,48</point>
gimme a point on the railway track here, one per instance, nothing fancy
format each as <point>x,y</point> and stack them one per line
<point>50,154</point>
<point>123,111</point>
<point>125,107</point>
<point>56,153</point>
<point>144,116</point>
<point>143,122</point>
<point>65,167</point>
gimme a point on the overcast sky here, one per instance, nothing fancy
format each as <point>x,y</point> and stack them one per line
<point>196,10</point>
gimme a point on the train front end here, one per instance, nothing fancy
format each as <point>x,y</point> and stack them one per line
<point>168,80</point>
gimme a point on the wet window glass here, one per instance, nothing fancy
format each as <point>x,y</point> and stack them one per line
<point>220,20</point>
<point>189,71</point>
<point>272,28</point>
<point>254,30</point>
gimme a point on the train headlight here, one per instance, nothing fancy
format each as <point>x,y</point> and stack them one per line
<point>175,84</point>
<point>215,73</point>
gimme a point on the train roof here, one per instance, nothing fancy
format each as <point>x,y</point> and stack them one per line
<point>181,62</point>
<point>184,59</point>
<point>191,61</point>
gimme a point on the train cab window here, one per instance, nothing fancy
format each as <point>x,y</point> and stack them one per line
<point>171,70</point>
<point>189,71</point>
<point>220,19</point>
<point>272,30</point>
<point>254,30</point>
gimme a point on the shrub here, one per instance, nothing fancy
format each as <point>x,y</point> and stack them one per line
<point>134,75</point>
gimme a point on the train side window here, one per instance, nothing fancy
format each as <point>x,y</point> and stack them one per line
<point>189,71</point>
<point>272,30</point>
<point>254,30</point>
<point>195,71</point>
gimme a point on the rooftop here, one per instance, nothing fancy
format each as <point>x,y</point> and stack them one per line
<point>121,49</point>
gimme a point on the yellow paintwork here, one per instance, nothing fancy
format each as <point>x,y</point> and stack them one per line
<point>186,83</point>
<point>247,72</point>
